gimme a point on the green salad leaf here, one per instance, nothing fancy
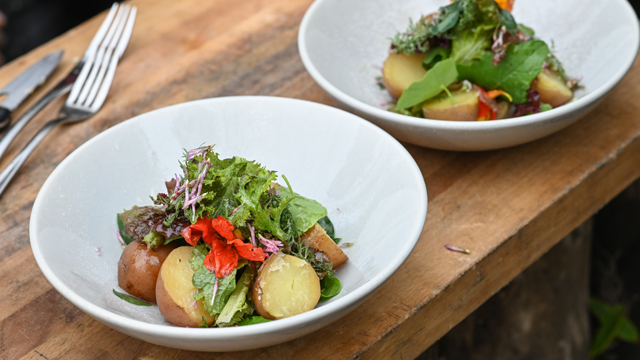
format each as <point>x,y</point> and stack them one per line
<point>131,299</point>
<point>508,21</point>
<point>126,238</point>
<point>434,56</point>
<point>205,281</point>
<point>434,82</point>
<point>522,63</point>
<point>305,212</point>
<point>237,305</point>
<point>329,287</point>
<point>327,225</point>
<point>253,320</point>
<point>448,18</point>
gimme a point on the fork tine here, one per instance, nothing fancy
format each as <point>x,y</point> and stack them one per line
<point>90,53</point>
<point>109,53</point>
<point>86,86</point>
<point>117,53</point>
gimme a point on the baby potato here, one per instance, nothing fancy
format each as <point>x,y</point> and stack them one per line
<point>138,268</point>
<point>286,286</point>
<point>465,107</point>
<point>400,71</point>
<point>318,239</point>
<point>175,290</point>
<point>552,90</point>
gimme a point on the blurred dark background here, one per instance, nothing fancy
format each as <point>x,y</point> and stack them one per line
<point>30,23</point>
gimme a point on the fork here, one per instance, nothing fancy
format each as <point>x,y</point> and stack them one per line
<point>92,85</point>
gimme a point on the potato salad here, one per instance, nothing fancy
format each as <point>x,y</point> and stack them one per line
<point>227,245</point>
<point>471,61</point>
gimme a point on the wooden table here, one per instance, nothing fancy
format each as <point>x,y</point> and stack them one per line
<point>508,206</point>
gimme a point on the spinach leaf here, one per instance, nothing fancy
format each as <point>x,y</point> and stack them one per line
<point>253,320</point>
<point>448,18</point>
<point>327,225</point>
<point>522,63</point>
<point>508,21</point>
<point>434,82</point>
<point>130,299</point>
<point>305,212</point>
<point>329,287</point>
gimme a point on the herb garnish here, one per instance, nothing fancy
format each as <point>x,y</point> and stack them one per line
<point>131,299</point>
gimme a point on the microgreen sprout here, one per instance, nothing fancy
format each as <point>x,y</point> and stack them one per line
<point>457,249</point>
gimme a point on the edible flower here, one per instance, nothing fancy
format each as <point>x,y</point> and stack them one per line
<point>505,4</point>
<point>485,111</point>
<point>226,247</point>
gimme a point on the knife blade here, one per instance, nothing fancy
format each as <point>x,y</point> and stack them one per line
<point>24,84</point>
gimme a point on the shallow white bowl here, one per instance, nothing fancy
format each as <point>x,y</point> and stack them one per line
<point>343,44</point>
<point>371,186</point>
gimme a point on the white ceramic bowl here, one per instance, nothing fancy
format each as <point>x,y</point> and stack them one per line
<point>371,186</point>
<point>343,44</point>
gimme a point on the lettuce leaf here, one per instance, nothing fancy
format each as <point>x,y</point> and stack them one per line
<point>473,34</point>
<point>237,306</point>
<point>522,63</point>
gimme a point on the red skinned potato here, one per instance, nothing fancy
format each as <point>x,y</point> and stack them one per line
<point>464,107</point>
<point>286,286</point>
<point>138,268</point>
<point>175,290</point>
<point>318,239</point>
<point>400,71</point>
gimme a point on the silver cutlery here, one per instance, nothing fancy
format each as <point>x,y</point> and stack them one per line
<point>24,84</point>
<point>91,86</point>
<point>63,86</point>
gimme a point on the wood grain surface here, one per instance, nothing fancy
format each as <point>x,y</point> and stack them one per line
<point>508,206</point>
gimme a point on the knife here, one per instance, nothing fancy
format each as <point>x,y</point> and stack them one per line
<point>23,85</point>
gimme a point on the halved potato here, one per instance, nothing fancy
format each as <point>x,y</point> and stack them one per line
<point>400,71</point>
<point>552,89</point>
<point>285,286</point>
<point>174,291</point>
<point>464,107</point>
<point>138,268</point>
<point>318,239</point>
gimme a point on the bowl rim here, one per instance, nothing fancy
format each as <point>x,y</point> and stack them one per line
<point>339,306</point>
<point>389,117</point>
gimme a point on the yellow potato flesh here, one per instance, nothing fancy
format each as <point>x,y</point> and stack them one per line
<point>552,90</point>
<point>174,291</point>
<point>400,71</point>
<point>285,287</point>
<point>318,239</point>
<point>464,107</point>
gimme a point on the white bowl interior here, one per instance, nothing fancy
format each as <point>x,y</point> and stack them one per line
<point>344,44</point>
<point>371,186</point>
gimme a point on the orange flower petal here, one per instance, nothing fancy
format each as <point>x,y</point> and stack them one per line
<point>248,251</point>
<point>222,260</point>
<point>505,4</point>
<point>191,235</point>
<point>223,227</point>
